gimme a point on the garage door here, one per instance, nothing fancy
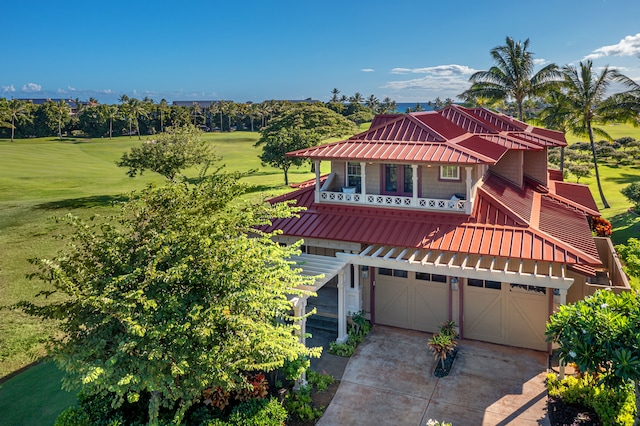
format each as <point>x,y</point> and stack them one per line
<point>409,300</point>
<point>510,314</point>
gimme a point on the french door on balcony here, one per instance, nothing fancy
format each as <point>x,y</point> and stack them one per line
<point>397,179</point>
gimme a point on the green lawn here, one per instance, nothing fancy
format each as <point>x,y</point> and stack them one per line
<point>34,397</point>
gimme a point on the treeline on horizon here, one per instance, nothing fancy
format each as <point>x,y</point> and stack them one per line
<point>22,118</point>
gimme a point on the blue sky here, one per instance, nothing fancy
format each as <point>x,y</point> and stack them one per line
<point>410,51</point>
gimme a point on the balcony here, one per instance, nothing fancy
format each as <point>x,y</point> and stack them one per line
<point>454,204</point>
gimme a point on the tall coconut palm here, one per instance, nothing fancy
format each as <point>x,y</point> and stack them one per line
<point>196,111</point>
<point>512,76</point>
<point>62,111</point>
<point>357,98</point>
<point>134,109</point>
<point>334,95</point>
<point>584,96</point>
<point>372,103</point>
<point>111,112</point>
<point>555,116</point>
<point>16,110</point>
<point>163,108</point>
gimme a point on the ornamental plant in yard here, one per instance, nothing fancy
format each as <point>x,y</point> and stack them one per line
<point>176,295</point>
<point>600,335</point>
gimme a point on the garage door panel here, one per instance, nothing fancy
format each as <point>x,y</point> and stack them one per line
<point>410,303</point>
<point>431,306</point>
<point>483,314</point>
<point>527,319</point>
<point>392,301</point>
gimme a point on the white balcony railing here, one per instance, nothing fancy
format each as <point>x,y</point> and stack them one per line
<point>394,201</point>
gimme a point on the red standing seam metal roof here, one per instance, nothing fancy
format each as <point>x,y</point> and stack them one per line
<point>448,231</point>
<point>437,137</point>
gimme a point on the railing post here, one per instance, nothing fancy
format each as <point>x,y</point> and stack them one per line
<point>317,167</point>
<point>414,169</point>
<point>363,181</point>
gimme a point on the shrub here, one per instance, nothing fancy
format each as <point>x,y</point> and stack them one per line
<point>441,345</point>
<point>341,349</point>
<point>258,412</point>
<point>601,226</point>
<point>293,369</point>
<point>73,416</point>
<point>632,193</point>
<point>613,406</point>
<point>320,380</point>
<point>300,406</point>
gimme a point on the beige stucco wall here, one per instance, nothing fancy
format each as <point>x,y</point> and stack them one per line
<point>340,169</point>
<point>535,165</point>
<point>578,289</point>
<point>510,167</point>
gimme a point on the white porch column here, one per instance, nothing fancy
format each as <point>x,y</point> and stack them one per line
<point>414,168</point>
<point>563,296</point>
<point>317,167</point>
<point>299,310</point>
<point>467,204</point>
<point>342,311</point>
<point>363,181</point>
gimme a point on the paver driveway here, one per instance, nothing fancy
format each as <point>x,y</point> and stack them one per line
<point>389,381</point>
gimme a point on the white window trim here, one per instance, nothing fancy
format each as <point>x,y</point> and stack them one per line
<point>456,168</point>
<point>347,174</point>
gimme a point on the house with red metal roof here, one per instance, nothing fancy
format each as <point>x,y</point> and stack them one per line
<point>449,215</point>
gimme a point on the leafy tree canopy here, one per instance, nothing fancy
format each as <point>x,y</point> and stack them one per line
<point>600,334</point>
<point>276,145</point>
<point>317,118</point>
<point>173,296</point>
<point>172,151</point>
<point>630,254</point>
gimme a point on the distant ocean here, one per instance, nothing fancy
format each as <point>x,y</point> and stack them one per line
<point>402,107</point>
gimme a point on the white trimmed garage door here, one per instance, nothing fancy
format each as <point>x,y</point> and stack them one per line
<point>509,314</point>
<point>411,300</point>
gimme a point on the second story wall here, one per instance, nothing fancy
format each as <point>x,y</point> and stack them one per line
<point>510,167</point>
<point>433,187</point>
<point>535,165</point>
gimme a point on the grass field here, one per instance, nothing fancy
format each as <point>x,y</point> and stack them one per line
<point>40,178</point>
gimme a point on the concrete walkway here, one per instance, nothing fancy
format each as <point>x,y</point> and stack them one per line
<point>390,381</point>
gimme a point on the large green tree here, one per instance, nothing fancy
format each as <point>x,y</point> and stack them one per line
<point>511,76</point>
<point>170,152</point>
<point>300,126</point>
<point>178,293</point>
<point>276,145</point>
<point>601,335</point>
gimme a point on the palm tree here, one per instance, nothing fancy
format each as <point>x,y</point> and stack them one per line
<point>554,116</point>
<point>356,98</point>
<point>111,113</point>
<point>134,109</point>
<point>373,103</point>
<point>61,111</point>
<point>584,103</point>
<point>163,108</point>
<point>196,111</point>
<point>512,76</point>
<point>334,95</point>
<point>17,110</point>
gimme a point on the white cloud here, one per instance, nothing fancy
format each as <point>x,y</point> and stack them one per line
<point>31,87</point>
<point>540,61</point>
<point>367,70</point>
<point>451,69</point>
<point>438,81</point>
<point>9,88</point>
<point>628,46</point>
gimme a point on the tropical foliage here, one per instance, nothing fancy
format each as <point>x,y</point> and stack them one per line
<point>172,297</point>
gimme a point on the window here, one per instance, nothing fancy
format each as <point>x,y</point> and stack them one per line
<point>385,271</point>
<point>354,175</point>
<point>399,273</point>
<point>431,277</point>
<point>494,285</point>
<point>450,172</point>
<point>398,179</point>
<point>529,288</point>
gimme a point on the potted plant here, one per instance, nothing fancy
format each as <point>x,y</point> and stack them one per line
<point>443,345</point>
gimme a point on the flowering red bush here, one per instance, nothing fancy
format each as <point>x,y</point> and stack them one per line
<point>601,226</point>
